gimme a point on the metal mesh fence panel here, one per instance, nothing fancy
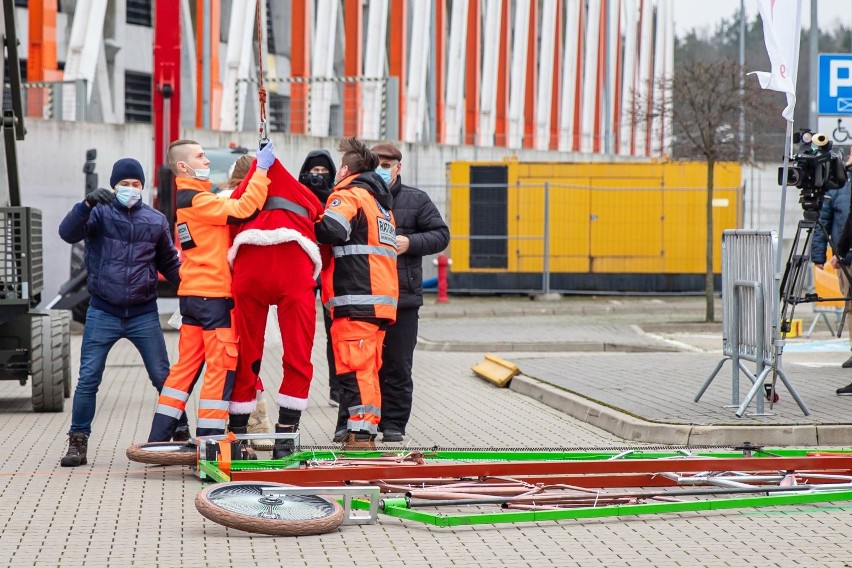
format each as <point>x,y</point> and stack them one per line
<point>569,238</point>
<point>21,264</point>
<point>318,105</point>
<point>748,256</point>
<point>55,100</point>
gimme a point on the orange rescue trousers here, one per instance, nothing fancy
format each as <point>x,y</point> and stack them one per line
<point>206,335</point>
<point>358,358</point>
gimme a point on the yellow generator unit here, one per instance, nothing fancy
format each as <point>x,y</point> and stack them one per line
<point>587,227</point>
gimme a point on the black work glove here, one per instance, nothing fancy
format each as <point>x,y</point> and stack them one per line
<point>100,195</point>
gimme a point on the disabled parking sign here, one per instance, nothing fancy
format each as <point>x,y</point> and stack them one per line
<point>835,84</point>
<point>837,128</point>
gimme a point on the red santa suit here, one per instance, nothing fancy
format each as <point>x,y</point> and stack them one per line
<point>276,261</point>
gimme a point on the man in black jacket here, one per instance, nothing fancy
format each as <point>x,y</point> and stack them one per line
<point>833,214</point>
<point>420,231</point>
<point>843,242</point>
<point>127,243</point>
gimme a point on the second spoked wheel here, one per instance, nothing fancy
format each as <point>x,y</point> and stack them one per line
<point>163,453</point>
<point>242,505</point>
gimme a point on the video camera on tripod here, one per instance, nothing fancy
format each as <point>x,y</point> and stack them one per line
<point>817,169</point>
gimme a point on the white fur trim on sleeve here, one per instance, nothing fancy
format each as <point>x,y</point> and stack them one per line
<point>265,238</point>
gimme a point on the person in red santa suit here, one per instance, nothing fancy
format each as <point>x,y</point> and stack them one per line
<point>276,261</point>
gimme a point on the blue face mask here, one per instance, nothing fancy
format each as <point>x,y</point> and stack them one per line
<point>385,174</point>
<point>127,195</point>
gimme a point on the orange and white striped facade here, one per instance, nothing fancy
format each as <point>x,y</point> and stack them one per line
<point>544,74</point>
<point>538,74</point>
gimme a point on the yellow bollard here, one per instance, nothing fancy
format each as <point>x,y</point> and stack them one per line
<point>795,328</point>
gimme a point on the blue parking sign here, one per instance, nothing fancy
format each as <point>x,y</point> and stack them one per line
<point>835,83</point>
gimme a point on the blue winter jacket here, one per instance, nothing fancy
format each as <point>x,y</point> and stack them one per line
<point>125,248</point>
<point>833,214</point>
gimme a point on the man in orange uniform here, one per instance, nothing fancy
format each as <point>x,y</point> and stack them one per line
<point>207,333</point>
<point>359,285</point>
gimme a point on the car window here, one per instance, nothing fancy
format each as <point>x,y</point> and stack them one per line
<point>221,160</point>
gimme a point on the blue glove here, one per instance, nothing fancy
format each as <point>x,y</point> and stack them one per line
<point>265,156</point>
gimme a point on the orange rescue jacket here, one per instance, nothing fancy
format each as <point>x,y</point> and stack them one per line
<point>202,229</point>
<point>360,281</point>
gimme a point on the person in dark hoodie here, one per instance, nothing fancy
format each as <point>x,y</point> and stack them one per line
<point>317,174</point>
<point>420,231</point>
<point>127,243</point>
<point>359,285</point>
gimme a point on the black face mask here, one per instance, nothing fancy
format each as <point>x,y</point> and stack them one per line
<point>319,181</point>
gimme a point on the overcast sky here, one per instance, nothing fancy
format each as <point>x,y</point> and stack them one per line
<point>704,14</point>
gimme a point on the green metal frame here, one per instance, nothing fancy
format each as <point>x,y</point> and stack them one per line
<point>211,468</point>
<point>399,507</point>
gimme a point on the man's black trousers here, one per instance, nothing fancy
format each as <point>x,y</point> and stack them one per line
<point>395,375</point>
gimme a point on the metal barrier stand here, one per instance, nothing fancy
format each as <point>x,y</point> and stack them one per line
<point>750,317</point>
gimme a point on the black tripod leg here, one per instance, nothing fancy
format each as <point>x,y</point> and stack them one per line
<point>793,281</point>
<point>792,285</point>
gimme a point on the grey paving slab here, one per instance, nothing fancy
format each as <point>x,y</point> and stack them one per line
<point>648,394</point>
<point>554,332</point>
<point>662,387</point>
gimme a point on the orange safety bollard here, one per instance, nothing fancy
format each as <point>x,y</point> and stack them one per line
<point>443,267</point>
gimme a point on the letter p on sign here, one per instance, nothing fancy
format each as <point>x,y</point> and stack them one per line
<point>839,75</point>
<point>834,92</point>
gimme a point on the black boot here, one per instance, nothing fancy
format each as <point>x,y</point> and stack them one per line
<point>78,444</point>
<point>240,448</point>
<point>288,423</point>
<point>284,448</point>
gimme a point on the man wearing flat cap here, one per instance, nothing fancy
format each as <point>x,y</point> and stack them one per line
<point>420,231</point>
<point>127,243</point>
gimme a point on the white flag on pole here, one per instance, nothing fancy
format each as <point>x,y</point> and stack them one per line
<point>782,27</point>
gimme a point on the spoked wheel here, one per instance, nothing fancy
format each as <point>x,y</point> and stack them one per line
<point>163,453</point>
<point>242,505</point>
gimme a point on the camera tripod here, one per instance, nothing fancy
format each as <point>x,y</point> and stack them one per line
<point>791,291</point>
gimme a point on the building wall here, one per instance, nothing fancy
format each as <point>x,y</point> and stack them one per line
<point>52,156</point>
<point>51,159</point>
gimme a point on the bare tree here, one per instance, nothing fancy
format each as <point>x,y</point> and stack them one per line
<point>702,102</point>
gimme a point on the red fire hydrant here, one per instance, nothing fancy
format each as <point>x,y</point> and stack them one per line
<point>443,267</point>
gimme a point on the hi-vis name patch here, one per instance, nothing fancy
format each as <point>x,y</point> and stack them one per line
<point>387,232</point>
<point>185,237</point>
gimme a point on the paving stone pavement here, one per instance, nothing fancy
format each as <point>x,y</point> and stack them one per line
<point>602,367</point>
<point>117,513</point>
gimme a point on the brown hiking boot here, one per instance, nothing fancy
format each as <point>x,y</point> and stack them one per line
<point>359,441</point>
<point>78,444</point>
